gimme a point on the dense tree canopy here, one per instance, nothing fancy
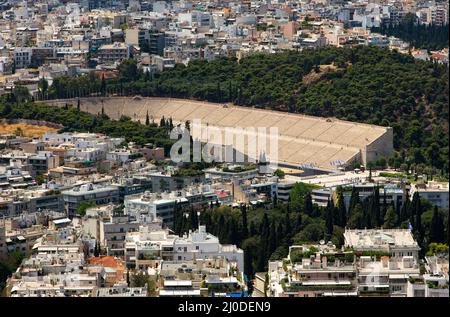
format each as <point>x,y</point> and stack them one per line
<point>431,37</point>
<point>362,84</point>
<point>267,233</point>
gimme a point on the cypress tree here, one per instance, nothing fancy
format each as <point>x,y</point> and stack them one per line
<point>194,219</point>
<point>309,208</point>
<point>298,224</point>
<point>287,226</point>
<point>147,119</point>
<point>436,227</point>
<point>342,210</point>
<point>221,225</point>
<point>280,234</point>
<point>378,221</point>
<point>272,239</point>
<point>384,206</point>
<point>248,261</point>
<point>103,86</point>
<point>354,199</point>
<point>252,230</point>
<point>232,233</point>
<point>96,249</point>
<point>244,221</point>
<point>329,217</point>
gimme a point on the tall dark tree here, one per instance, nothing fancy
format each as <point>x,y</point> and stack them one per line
<point>248,261</point>
<point>103,86</point>
<point>280,234</point>
<point>342,211</point>
<point>298,223</point>
<point>354,199</point>
<point>309,208</point>
<point>384,205</point>
<point>244,221</point>
<point>437,227</point>
<point>329,217</point>
<point>272,239</point>
<point>287,226</point>
<point>147,119</point>
<point>378,221</point>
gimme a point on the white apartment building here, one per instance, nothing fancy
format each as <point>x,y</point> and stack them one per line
<point>395,242</point>
<point>153,206</point>
<point>147,247</point>
<point>435,192</point>
<point>202,245</point>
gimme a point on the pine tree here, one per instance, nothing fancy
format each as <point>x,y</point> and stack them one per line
<point>356,220</point>
<point>218,92</point>
<point>162,122</point>
<point>147,119</point>
<point>390,219</point>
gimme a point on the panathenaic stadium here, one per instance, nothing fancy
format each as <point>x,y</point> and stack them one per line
<point>303,140</point>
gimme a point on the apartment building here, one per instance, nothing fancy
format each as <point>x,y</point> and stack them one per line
<point>313,271</point>
<point>147,247</point>
<point>436,193</point>
<point>202,245</point>
<point>396,243</point>
<point>112,53</point>
<point>101,195</point>
<point>22,57</point>
<point>113,231</point>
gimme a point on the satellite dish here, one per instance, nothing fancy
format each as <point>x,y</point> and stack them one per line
<point>322,242</point>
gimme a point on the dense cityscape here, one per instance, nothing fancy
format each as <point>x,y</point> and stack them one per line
<point>135,157</point>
